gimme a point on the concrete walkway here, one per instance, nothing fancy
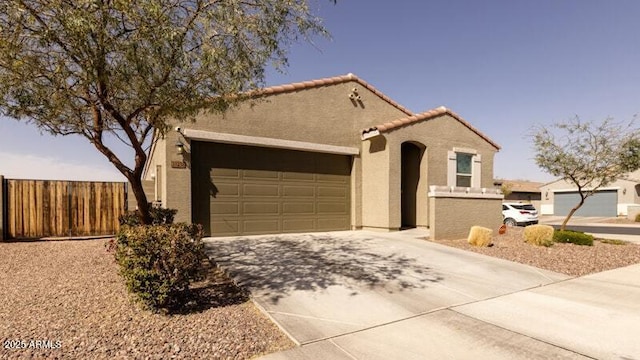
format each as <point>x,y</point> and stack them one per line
<point>365,295</point>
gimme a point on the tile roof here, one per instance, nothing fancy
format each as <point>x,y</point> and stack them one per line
<point>520,185</point>
<point>329,81</point>
<point>426,116</point>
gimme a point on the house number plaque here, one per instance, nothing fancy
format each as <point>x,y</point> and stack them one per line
<point>178,164</point>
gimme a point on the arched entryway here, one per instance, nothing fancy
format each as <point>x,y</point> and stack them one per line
<point>410,177</point>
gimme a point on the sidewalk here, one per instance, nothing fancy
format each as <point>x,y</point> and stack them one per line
<point>584,220</point>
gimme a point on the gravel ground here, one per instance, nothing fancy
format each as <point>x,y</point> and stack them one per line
<point>568,259</point>
<point>67,295</point>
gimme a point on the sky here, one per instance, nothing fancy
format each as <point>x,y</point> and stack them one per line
<point>505,66</point>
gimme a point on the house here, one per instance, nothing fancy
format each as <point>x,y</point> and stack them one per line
<point>520,191</point>
<point>615,199</point>
<point>327,154</point>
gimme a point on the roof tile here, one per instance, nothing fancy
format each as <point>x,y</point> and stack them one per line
<point>520,185</point>
<point>329,81</point>
<point>411,117</point>
<point>426,116</point>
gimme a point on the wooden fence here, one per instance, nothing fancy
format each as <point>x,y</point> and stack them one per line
<point>45,208</point>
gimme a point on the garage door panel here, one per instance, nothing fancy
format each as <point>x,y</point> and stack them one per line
<point>262,208</point>
<point>225,173</point>
<point>296,176</point>
<point>224,190</point>
<point>225,227</point>
<point>332,208</point>
<point>260,226</point>
<point>260,190</point>
<point>298,191</point>
<point>332,224</point>
<point>339,179</point>
<point>297,225</point>
<point>225,208</point>
<point>290,208</point>
<point>250,190</point>
<point>260,175</point>
<point>332,192</point>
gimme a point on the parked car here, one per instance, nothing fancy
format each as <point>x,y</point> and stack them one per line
<point>519,214</point>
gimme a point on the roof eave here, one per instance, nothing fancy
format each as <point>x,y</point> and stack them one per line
<point>433,113</point>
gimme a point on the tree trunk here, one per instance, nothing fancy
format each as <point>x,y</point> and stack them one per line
<point>573,211</point>
<point>141,199</point>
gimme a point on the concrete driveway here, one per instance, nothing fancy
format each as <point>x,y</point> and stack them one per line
<point>366,295</point>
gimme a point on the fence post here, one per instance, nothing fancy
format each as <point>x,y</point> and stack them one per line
<point>3,199</point>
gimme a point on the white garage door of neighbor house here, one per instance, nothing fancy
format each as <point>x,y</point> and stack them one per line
<point>242,190</point>
<point>602,203</point>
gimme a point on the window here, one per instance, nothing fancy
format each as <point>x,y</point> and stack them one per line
<point>463,169</point>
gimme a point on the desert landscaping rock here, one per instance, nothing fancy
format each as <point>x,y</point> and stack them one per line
<point>570,259</point>
<point>70,292</point>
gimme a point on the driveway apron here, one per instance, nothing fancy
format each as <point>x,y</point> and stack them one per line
<point>369,295</point>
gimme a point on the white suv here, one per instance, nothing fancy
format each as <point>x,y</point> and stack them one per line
<point>520,214</point>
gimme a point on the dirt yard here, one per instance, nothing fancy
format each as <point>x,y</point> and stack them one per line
<point>568,259</point>
<point>66,299</point>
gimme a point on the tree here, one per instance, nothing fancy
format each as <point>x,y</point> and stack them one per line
<point>587,154</point>
<point>506,189</point>
<point>106,69</point>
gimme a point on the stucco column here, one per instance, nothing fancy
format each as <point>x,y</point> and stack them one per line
<point>2,206</point>
<point>375,184</point>
<point>178,177</point>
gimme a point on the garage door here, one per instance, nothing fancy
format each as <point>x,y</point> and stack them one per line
<point>242,190</point>
<point>602,203</point>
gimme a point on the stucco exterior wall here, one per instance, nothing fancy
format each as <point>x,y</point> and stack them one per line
<point>452,217</point>
<point>147,186</point>
<point>438,136</point>
<point>326,115</point>
<point>375,185</point>
<point>323,115</point>
<point>156,170</point>
<point>176,193</point>
<point>356,192</point>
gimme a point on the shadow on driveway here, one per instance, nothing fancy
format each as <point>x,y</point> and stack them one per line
<point>273,266</point>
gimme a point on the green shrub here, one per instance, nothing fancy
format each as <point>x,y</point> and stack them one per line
<point>574,237</point>
<point>613,241</point>
<point>130,218</point>
<point>540,235</point>
<point>159,216</point>
<point>638,218</point>
<point>159,262</point>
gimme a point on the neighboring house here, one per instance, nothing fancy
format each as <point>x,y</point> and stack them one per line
<point>521,190</point>
<point>328,154</point>
<point>559,197</point>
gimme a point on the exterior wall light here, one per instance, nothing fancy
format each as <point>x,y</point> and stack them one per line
<point>179,147</point>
